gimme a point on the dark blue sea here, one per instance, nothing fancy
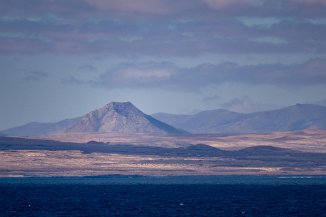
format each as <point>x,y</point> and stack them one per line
<point>164,196</point>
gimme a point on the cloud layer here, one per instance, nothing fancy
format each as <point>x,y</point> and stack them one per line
<point>163,27</point>
<point>166,75</point>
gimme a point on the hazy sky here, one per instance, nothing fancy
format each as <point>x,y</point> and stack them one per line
<point>62,58</point>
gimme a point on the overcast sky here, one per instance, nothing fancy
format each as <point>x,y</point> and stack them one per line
<point>62,58</point>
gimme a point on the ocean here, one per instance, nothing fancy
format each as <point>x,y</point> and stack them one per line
<point>164,196</point>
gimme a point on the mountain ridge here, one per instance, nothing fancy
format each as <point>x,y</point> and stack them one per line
<point>291,118</point>
<point>126,118</point>
<point>36,128</point>
<point>113,117</point>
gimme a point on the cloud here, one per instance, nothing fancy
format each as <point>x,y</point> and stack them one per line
<point>22,45</point>
<point>75,81</point>
<point>162,27</point>
<point>322,2</point>
<point>94,8</point>
<point>77,8</point>
<point>141,6</point>
<point>165,75</point>
<point>223,4</point>
<point>102,8</point>
<point>212,98</point>
<point>130,75</point>
<point>87,68</point>
<point>149,74</point>
<point>33,76</point>
<point>308,73</point>
<point>166,38</point>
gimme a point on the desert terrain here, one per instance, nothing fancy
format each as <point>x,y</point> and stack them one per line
<point>81,154</point>
<point>305,140</point>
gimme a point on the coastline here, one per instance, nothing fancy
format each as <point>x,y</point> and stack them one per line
<point>166,180</point>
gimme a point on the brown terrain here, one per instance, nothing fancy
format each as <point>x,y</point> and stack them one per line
<point>28,161</point>
<point>306,140</point>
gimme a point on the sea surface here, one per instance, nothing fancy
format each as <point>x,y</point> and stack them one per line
<point>164,196</point>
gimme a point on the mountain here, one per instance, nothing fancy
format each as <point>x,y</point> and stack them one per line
<point>121,117</point>
<point>246,105</point>
<point>296,117</point>
<point>212,121</point>
<point>113,117</point>
<point>320,102</point>
<point>36,128</point>
<point>126,118</point>
<point>171,119</point>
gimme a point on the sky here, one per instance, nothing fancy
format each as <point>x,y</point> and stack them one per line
<point>61,59</point>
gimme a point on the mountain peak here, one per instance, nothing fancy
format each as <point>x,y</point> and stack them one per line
<point>119,104</point>
<point>122,107</point>
<point>120,117</point>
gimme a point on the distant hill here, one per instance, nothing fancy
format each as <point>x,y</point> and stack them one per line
<point>36,128</point>
<point>172,119</point>
<point>113,117</point>
<point>247,105</point>
<point>211,121</point>
<point>296,117</point>
<point>121,117</point>
<point>211,117</point>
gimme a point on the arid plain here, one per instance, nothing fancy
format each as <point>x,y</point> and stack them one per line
<point>73,161</point>
<point>305,140</point>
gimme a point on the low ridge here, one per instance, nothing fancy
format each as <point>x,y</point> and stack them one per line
<point>36,128</point>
